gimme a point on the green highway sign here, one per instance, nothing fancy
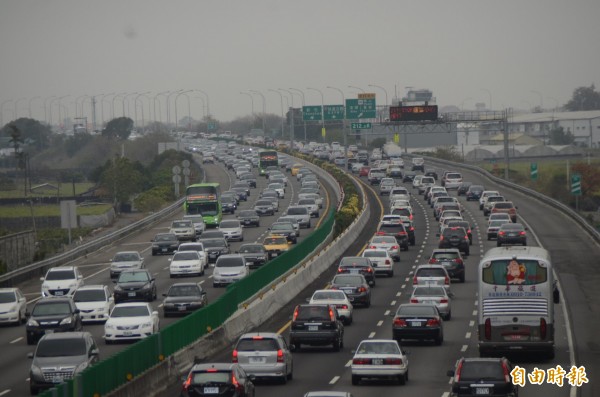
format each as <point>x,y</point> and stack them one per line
<point>360,126</point>
<point>534,171</point>
<point>311,113</point>
<point>333,112</point>
<point>360,108</point>
<point>211,126</point>
<point>576,185</point>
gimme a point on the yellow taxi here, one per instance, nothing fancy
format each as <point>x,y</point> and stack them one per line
<point>276,245</point>
<point>295,168</point>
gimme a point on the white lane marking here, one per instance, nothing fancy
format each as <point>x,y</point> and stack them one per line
<point>403,286</point>
<point>406,279</point>
<point>464,348</point>
<point>398,293</point>
<point>475,303</point>
<point>334,380</point>
<point>371,335</point>
<point>393,303</point>
<point>468,335</point>
<point>16,340</point>
<point>201,282</point>
<point>471,323</point>
<point>349,363</point>
<point>474,312</point>
<point>386,313</point>
<point>5,392</point>
<point>379,323</point>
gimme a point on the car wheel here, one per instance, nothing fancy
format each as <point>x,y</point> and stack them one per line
<point>30,340</point>
<point>448,316</point>
<point>290,376</point>
<point>462,278</point>
<point>391,274</point>
<point>439,340</point>
<point>368,303</point>
<point>348,320</point>
<point>294,346</point>
<point>336,345</point>
<point>108,341</point>
<point>401,380</point>
<point>171,275</point>
<point>524,243</point>
<point>498,244</point>
<point>406,375</point>
<point>33,390</point>
<point>355,380</point>
<point>489,237</point>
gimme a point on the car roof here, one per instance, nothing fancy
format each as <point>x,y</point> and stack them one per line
<point>217,366</point>
<point>67,335</point>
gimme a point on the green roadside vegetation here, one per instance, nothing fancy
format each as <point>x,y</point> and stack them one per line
<point>43,210</point>
<point>50,189</point>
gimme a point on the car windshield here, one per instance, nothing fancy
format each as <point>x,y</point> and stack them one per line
<point>7,297</point>
<point>126,257</point>
<point>481,370</point>
<point>229,224</point>
<point>165,237</point>
<point>247,213</point>
<point>282,226</point>
<point>275,241</point>
<point>184,290</point>
<point>127,277</point>
<point>251,249</point>
<point>445,255</point>
<point>306,202</point>
<point>61,347</point>
<point>263,203</point>
<point>130,311</point>
<point>185,256</point>
<point>430,272</point>
<point>297,211</point>
<point>312,312</point>
<point>90,295</point>
<point>326,295</point>
<point>51,308</point>
<point>229,262</point>
<point>257,344</point>
<point>181,224</point>
<point>378,348</point>
<point>60,275</point>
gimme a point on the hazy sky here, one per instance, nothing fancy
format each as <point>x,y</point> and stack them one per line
<point>458,49</point>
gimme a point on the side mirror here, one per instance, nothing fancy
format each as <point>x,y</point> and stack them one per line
<point>155,313</point>
<point>30,355</point>
<point>164,294</point>
<point>94,352</point>
<point>27,314</point>
<point>41,278</point>
<point>437,235</point>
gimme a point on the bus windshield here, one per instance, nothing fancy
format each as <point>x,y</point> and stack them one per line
<point>514,272</point>
<point>203,208</point>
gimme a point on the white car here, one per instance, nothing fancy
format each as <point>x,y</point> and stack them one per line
<point>95,302</point>
<point>184,229</point>
<point>386,185</point>
<point>229,269</point>
<point>13,306</point>
<point>311,204</point>
<point>417,181</point>
<point>232,229</point>
<point>381,359</point>
<point>336,298</point>
<point>198,222</point>
<point>315,196</point>
<point>61,281</point>
<point>197,246</point>
<point>131,321</point>
<point>485,194</point>
<point>433,294</point>
<point>186,263</point>
<point>499,216</point>
<point>381,260</point>
<point>388,243</point>
<point>279,188</point>
<point>125,260</point>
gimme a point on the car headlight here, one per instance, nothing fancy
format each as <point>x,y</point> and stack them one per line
<point>109,326</point>
<point>145,287</point>
<point>36,372</point>
<point>146,325</point>
<point>118,288</point>
<point>66,321</point>
<point>32,323</point>
<point>45,286</point>
<point>81,367</point>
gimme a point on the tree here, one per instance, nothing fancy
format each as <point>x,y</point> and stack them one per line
<point>122,179</point>
<point>121,127</point>
<point>32,132</point>
<point>590,177</point>
<point>558,136</point>
<point>584,98</point>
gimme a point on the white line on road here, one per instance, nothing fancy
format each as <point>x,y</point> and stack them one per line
<point>468,335</point>
<point>403,286</point>
<point>464,348</point>
<point>334,380</point>
<point>349,363</point>
<point>16,340</point>
<point>5,392</point>
<point>398,293</point>
<point>371,335</point>
<point>386,313</point>
<point>471,323</point>
<point>379,323</point>
<point>393,303</point>
<point>474,312</point>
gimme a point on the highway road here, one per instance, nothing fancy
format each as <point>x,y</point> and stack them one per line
<point>15,365</point>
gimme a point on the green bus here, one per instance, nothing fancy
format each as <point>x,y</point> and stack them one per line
<point>204,199</point>
<point>266,158</point>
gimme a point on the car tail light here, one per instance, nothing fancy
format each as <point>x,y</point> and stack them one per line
<point>279,356</point>
<point>467,237</point>
<point>433,322</point>
<point>331,315</point>
<point>369,270</point>
<point>344,307</point>
<point>521,233</point>
<point>380,234</point>
<point>433,260</point>
<point>446,280</point>
<point>414,300</point>
<point>234,381</point>
<point>187,383</point>
<point>412,229</point>
<point>543,328</point>
<point>398,322</point>
<point>441,238</point>
<point>501,233</point>
<point>443,300</point>
<point>372,247</point>
<point>234,358</point>
<point>392,361</point>
<point>506,372</point>
<point>340,270</point>
<point>457,373</point>
<point>387,261</point>
<point>394,247</point>
<point>257,337</point>
<point>361,361</point>
<point>488,329</point>
<point>415,280</point>
<point>295,314</point>
<point>362,289</point>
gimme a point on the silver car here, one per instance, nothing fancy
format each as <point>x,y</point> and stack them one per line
<point>232,229</point>
<point>264,355</point>
<point>436,295</point>
<point>125,260</point>
<point>336,298</point>
<point>388,243</point>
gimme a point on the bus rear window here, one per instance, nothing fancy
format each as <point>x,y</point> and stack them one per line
<point>514,272</point>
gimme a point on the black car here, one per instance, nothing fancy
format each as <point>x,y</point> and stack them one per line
<point>249,218</point>
<point>409,176</point>
<point>135,285</point>
<point>316,325</point>
<point>455,237</point>
<point>164,243</point>
<point>184,298</point>
<point>264,207</point>
<point>228,204</point>
<point>242,192</point>
<point>452,260</point>
<point>483,376</point>
<point>397,230</point>
<point>511,233</point>
<point>466,225</point>
<point>52,314</point>
<point>249,178</point>
<point>421,321</point>
<point>242,185</point>
<point>431,173</point>
<point>474,192</point>
<point>254,254</point>
<point>215,247</point>
<point>355,286</point>
<point>357,265</point>
<point>218,379</point>
<point>285,229</point>
<point>463,188</point>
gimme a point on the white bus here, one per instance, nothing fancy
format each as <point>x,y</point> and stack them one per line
<point>516,293</point>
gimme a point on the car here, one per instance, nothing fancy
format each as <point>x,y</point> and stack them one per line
<point>462,223</point>
<point>293,221</point>
<point>447,214</point>
<point>125,260</point>
<point>184,298</point>
<point>249,218</point>
<point>355,286</point>
<point>186,263</point>
<point>357,265</point>
<point>488,376</point>
<point>316,325</point>
<point>197,246</point>
<point>275,246</point>
<point>418,164</point>
<point>285,229</point>
<point>379,359</point>
<point>212,233</point>
<point>408,176</point>
<point>420,321</point>
<point>435,294</point>
<point>249,178</point>
<point>228,204</point>
<point>505,207</point>
<point>337,299</point>
<point>279,188</point>
<point>131,321</point>
<point>399,192</point>
<point>264,207</point>
<point>311,204</point>
<point>381,260</point>
<point>13,306</point>
<point>364,170</point>
<point>264,355</point>
<point>229,269</point>
<point>215,247</point>
<point>50,315</point>
<point>197,221</point>
<point>218,379</point>
<point>184,229</point>
<point>242,192</point>
<point>425,182</point>
<point>493,227</point>
<point>463,188</point>
<point>455,237</point>
<point>376,175</point>
<point>489,201</point>
<point>397,230</point>
<point>164,243</point>
<point>134,285</point>
<point>61,281</point>
<point>499,216</point>
<point>400,209</point>
<point>242,185</point>
<point>301,213</point>
<point>386,185</point>
<point>452,260</point>
<point>60,357</point>
<point>94,303</point>
<point>254,254</point>
<point>432,173</point>
<point>431,274</point>
<point>511,233</point>
<point>388,243</point>
<point>232,229</point>
<point>452,180</point>
<point>485,194</point>
<point>474,192</point>
<point>394,172</point>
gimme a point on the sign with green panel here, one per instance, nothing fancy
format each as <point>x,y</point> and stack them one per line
<point>333,112</point>
<point>576,185</point>
<point>360,108</point>
<point>534,171</point>
<point>311,113</point>
<point>360,126</point>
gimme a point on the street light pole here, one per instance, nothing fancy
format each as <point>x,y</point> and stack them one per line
<point>292,114</point>
<point>251,100</point>
<point>490,96</point>
<point>159,106</point>
<point>302,96</point>
<point>356,88</point>
<point>207,101</point>
<point>343,126</point>
<point>45,107</point>
<point>135,106</point>
<point>2,111</point>
<point>386,97</point>
<point>17,107</point>
<point>169,105</point>
<point>281,99</point>
<point>125,100</point>
<point>322,110</point>
<point>177,96</point>
<point>112,109</point>
<point>264,108</point>
<point>101,108</point>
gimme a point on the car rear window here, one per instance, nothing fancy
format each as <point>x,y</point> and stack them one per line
<point>262,344</point>
<point>211,377</point>
<point>453,176</point>
<point>310,312</point>
<point>445,255</point>
<point>61,347</point>
<point>503,205</point>
<point>481,370</point>
<point>297,211</point>
<point>430,272</point>
<point>354,261</point>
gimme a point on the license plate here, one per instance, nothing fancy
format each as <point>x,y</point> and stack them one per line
<point>482,391</point>
<point>246,222</point>
<point>515,337</point>
<point>58,293</point>
<point>127,333</point>
<point>377,361</point>
<point>313,327</point>
<point>257,360</point>
<point>57,379</point>
<point>181,308</point>
<point>164,250</point>
<point>131,294</point>
<point>274,254</point>
<point>416,323</point>
<point>354,271</point>
<point>211,390</point>
<point>49,331</point>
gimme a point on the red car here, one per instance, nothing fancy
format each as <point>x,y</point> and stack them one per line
<point>364,171</point>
